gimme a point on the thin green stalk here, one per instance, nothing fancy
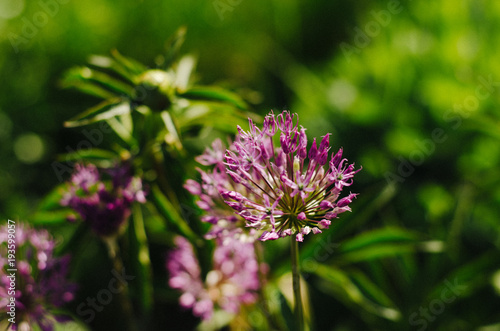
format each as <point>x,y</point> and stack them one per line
<point>298,310</point>
<point>123,295</point>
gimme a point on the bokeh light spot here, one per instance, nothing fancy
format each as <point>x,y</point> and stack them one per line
<point>496,281</point>
<point>11,8</point>
<point>29,148</point>
<point>342,94</point>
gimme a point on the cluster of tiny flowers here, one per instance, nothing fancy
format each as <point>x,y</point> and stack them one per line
<point>225,223</point>
<point>283,188</point>
<point>41,283</point>
<point>233,280</point>
<point>105,208</point>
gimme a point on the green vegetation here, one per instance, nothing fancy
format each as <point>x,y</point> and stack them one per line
<point>410,89</point>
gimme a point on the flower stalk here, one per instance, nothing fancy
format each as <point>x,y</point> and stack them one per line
<point>297,298</point>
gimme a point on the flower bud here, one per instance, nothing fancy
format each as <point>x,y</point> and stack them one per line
<point>334,163</point>
<point>325,204</point>
<point>313,151</point>
<point>324,224</point>
<point>285,143</point>
<point>325,142</point>
<point>323,157</point>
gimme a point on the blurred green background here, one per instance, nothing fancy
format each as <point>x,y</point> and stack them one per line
<point>410,89</point>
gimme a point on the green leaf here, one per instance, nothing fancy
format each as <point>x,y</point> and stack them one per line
<point>341,286</point>
<point>469,277</point>
<point>378,251</point>
<point>377,237</point>
<point>166,208</point>
<point>103,111</point>
<point>141,263</point>
<point>92,154</point>
<point>173,46</point>
<point>214,93</point>
<point>97,109</point>
<point>370,289</point>
<point>376,244</point>
<point>131,65</point>
<point>171,136</point>
<point>52,200</point>
<point>121,130</point>
<point>90,88</point>
<point>156,228</point>
<point>287,313</point>
<point>210,114</point>
<point>82,75</point>
<point>107,63</point>
<point>183,72</point>
<point>50,217</point>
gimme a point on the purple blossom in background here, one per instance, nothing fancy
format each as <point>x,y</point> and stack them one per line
<point>41,282</point>
<point>233,280</point>
<point>105,207</point>
<point>282,188</point>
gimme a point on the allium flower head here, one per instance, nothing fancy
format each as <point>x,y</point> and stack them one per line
<point>233,280</point>
<point>41,284</point>
<point>283,188</point>
<point>214,180</point>
<point>104,206</point>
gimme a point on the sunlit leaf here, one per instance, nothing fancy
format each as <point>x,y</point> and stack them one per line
<point>172,135</point>
<point>213,93</point>
<point>131,65</point>
<point>121,130</point>
<point>100,112</point>
<point>82,75</point>
<point>107,63</point>
<point>89,88</point>
<point>211,114</point>
<point>53,217</point>
<point>183,72</point>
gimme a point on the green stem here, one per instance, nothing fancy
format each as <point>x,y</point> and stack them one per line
<point>298,310</point>
<point>124,299</point>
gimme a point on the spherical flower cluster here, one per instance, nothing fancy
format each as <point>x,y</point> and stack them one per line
<point>105,208</point>
<point>283,188</point>
<point>232,282</point>
<point>40,284</point>
<point>225,223</point>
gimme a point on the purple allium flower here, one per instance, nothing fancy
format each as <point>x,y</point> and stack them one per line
<point>233,280</point>
<point>283,188</point>
<point>104,206</point>
<point>214,181</point>
<point>41,279</point>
